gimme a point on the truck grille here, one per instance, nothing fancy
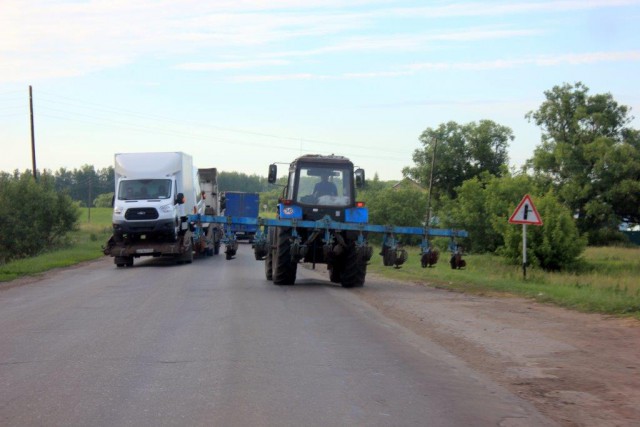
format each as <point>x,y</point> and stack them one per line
<point>135,214</point>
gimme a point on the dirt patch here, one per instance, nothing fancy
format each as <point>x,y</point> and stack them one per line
<point>578,369</point>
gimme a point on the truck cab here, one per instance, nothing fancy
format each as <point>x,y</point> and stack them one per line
<point>153,191</point>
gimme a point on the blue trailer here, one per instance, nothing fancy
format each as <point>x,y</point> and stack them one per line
<point>246,205</point>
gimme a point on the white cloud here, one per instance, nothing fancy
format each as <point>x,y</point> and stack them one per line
<point>52,39</point>
<point>541,60</point>
<point>230,65</point>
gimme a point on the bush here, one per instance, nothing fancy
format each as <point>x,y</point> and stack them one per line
<point>104,200</point>
<point>33,216</point>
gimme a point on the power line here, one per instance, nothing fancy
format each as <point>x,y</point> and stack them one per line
<point>164,119</point>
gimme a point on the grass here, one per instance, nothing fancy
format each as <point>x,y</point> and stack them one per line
<point>604,281</point>
<point>84,244</point>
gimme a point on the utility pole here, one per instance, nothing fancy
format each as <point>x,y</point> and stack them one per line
<point>89,199</point>
<point>433,164</point>
<point>33,136</point>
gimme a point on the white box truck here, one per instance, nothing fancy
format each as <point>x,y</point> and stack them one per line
<point>154,193</point>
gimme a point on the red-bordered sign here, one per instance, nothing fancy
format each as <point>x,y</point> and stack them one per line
<point>526,213</point>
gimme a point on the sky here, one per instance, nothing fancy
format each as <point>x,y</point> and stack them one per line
<point>240,84</point>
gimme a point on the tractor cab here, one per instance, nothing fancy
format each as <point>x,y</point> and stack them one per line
<point>321,186</point>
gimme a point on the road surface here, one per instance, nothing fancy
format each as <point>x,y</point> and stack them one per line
<point>214,344</point>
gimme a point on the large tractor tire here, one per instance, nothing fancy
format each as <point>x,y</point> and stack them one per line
<point>335,275</point>
<point>355,268</point>
<point>268,260</point>
<point>284,268</point>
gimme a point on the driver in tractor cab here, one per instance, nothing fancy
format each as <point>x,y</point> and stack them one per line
<point>324,187</point>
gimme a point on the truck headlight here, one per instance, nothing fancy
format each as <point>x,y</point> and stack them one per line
<point>166,208</point>
<point>117,210</point>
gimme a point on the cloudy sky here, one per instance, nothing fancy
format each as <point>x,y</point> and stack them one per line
<point>240,84</point>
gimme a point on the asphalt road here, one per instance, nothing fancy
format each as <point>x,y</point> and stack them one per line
<point>214,344</point>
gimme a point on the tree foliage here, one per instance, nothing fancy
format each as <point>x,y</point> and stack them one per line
<point>589,156</point>
<point>84,184</point>
<point>404,206</point>
<point>33,215</point>
<point>104,200</point>
<point>236,181</point>
<point>463,152</point>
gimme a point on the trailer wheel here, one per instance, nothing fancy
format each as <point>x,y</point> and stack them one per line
<point>388,256</point>
<point>268,260</point>
<point>355,268</point>
<point>187,256</point>
<point>208,251</point>
<point>123,261</point>
<point>284,268</point>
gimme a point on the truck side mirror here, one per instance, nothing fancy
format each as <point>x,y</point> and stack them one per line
<point>273,174</point>
<point>359,174</point>
<point>179,199</point>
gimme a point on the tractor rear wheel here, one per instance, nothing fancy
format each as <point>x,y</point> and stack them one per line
<point>284,267</point>
<point>268,260</point>
<point>355,268</point>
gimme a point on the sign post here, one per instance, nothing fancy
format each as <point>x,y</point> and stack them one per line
<point>524,214</point>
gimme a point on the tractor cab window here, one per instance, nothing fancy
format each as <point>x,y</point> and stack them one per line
<point>324,186</point>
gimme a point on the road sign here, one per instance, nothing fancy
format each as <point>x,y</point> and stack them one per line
<point>526,213</point>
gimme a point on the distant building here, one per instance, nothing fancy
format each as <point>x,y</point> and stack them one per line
<point>408,183</point>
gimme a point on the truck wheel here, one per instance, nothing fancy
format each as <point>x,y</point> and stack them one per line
<point>268,260</point>
<point>284,268</point>
<point>355,268</point>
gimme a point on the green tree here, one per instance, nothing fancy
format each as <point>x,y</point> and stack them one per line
<point>236,181</point>
<point>589,156</point>
<point>405,206</point>
<point>463,152</point>
<point>33,215</point>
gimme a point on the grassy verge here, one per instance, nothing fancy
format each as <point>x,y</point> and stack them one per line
<point>604,282</point>
<point>84,245</point>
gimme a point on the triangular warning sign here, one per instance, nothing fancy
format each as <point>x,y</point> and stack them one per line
<point>526,213</point>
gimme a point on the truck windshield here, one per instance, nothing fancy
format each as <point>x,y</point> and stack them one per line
<point>139,189</point>
<point>324,186</point>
